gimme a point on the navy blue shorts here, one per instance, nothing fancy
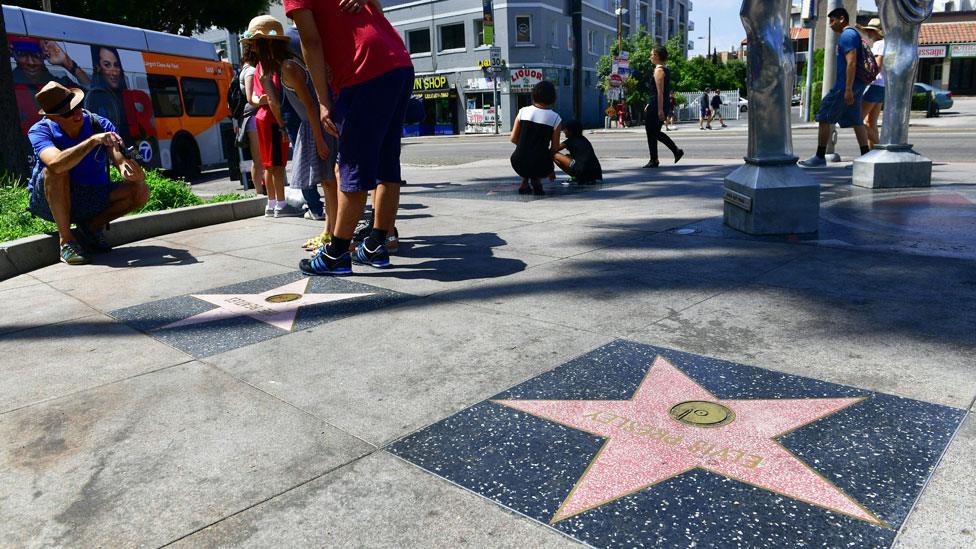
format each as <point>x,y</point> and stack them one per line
<point>87,200</point>
<point>833,110</point>
<point>874,94</point>
<point>369,117</point>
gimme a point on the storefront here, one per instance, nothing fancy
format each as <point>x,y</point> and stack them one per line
<point>440,104</point>
<point>480,106</point>
<point>521,82</point>
<point>962,69</point>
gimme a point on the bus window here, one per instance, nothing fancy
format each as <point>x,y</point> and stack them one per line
<point>165,94</point>
<point>201,96</point>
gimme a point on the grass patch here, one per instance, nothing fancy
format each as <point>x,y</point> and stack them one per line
<point>164,194</point>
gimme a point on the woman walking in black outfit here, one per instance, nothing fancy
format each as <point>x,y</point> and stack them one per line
<point>659,108</point>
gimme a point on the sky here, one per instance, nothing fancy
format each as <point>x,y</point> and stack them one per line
<point>727,28</point>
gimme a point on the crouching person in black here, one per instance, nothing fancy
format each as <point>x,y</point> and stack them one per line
<point>70,183</point>
<point>581,163</point>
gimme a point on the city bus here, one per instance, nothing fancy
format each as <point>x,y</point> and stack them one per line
<point>165,94</point>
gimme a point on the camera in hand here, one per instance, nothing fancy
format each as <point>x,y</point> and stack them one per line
<point>131,153</point>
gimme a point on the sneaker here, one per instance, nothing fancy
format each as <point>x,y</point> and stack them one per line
<point>323,264</point>
<point>679,156</point>
<point>652,164</point>
<point>392,243</point>
<point>812,162</point>
<point>73,254</point>
<point>723,125</point>
<point>700,128</point>
<point>313,216</point>
<point>378,258</point>
<point>93,241</point>
<point>287,211</point>
<point>708,126</point>
<point>269,211</point>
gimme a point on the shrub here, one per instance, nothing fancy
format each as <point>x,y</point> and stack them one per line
<point>815,99</point>
<point>164,193</point>
<point>920,101</point>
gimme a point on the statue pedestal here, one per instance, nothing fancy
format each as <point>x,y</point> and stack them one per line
<point>771,197</point>
<point>892,166</point>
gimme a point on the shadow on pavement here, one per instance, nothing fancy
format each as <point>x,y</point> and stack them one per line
<point>144,256</point>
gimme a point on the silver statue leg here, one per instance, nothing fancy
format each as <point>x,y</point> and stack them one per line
<point>770,194</point>
<point>893,163</point>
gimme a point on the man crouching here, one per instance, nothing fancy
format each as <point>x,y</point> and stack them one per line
<point>70,183</point>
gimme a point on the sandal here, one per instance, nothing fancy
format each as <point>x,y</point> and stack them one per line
<point>317,242</point>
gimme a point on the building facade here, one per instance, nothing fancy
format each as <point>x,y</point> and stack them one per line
<point>446,41</point>
<point>947,50</point>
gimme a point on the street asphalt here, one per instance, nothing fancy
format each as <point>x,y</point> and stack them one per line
<point>188,390</point>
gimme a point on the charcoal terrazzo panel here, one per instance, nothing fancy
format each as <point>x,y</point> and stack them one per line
<point>210,338</point>
<point>879,451</point>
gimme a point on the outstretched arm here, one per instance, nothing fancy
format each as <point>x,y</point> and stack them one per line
<point>315,61</point>
<point>294,77</point>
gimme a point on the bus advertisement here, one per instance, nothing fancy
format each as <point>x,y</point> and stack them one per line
<point>165,94</point>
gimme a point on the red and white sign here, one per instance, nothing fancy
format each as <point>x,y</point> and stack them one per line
<point>524,79</point>
<point>931,51</point>
<point>616,81</point>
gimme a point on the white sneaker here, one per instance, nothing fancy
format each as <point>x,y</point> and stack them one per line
<point>313,217</point>
<point>269,211</point>
<point>287,210</point>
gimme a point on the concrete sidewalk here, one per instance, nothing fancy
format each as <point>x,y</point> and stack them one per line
<point>119,430</point>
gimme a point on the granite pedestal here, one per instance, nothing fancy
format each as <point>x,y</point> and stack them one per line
<point>892,166</point>
<point>771,197</point>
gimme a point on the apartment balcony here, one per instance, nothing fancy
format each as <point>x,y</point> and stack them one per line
<point>691,44</point>
<point>691,26</point>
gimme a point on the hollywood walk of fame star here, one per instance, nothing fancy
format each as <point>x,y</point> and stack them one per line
<point>277,306</point>
<point>672,425</point>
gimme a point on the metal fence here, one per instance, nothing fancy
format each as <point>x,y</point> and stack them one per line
<point>730,105</point>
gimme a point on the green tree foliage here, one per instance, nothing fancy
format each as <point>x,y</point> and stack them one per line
<point>173,16</point>
<point>639,46</point>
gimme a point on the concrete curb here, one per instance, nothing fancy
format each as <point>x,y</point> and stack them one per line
<point>34,252</point>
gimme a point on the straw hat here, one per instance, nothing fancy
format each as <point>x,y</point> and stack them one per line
<point>264,27</point>
<point>874,25</point>
<point>58,100</point>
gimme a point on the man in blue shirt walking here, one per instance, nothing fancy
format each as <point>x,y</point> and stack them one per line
<point>842,104</point>
<point>70,183</point>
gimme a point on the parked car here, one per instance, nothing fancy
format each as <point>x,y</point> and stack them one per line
<point>743,105</point>
<point>943,99</point>
<point>795,100</point>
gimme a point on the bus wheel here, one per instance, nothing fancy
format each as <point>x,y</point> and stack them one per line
<point>186,158</point>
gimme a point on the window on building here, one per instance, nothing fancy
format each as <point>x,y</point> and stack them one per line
<point>479,33</point>
<point>200,95</point>
<point>523,29</point>
<point>569,36</point>
<point>681,11</point>
<point>452,37</point>
<point>590,38</point>
<point>659,24</point>
<point>165,93</point>
<point>642,21</point>
<point>554,35</point>
<point>418,41</point>
<point>670,27</point>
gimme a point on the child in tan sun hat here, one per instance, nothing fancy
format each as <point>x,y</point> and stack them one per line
<point>873,98</point>
<point>263,33</point>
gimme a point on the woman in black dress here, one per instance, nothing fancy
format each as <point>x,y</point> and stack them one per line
<point>536,137</point>
<point>659,108</point>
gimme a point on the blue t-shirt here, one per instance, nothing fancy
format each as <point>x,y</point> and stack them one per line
<point>92,169</point>
<point>848,40</point>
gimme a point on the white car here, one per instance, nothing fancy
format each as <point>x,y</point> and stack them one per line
<point>743,105</point>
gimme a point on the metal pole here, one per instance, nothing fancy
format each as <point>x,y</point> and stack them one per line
<point>710,37</point>
<point>809,85</point>
<point>494,95</point>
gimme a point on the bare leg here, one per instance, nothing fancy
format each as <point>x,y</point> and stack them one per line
<point>257,168</point>
<point>870,111</point>
<point>331,189</point>
<point>350,209</point>
<point>57,191</point>
<point>386,202</point>
<point>276,183</point>
<point>563,161</point>
<point>128,197</point>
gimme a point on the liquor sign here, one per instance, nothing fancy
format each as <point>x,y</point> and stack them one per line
<point>488,22</point>
<point>925,52</point>
<point>524,79</point>
<point>963,50</point>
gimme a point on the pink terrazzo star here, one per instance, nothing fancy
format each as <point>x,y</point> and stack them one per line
<point>646,442</point>
<point>280,314</point>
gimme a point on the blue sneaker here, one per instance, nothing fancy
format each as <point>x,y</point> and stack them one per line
<point>379,258</point>
<point>324,264</point>
<point>812,162</point>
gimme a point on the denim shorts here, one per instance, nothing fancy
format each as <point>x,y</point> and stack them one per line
<point>369,117</point>
<point>833,110</point>
<point>874,94</point>
<point>87,200</point>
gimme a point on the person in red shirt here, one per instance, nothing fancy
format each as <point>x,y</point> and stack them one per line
<point>372,79</point>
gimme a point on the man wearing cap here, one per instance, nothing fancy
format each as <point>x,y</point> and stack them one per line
<point>70,183</point>
<point>842,104</point>
<point>372,77</point>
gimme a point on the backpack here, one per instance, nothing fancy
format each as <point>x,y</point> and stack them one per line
<point>235,98</point>
<point>867,65</point>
